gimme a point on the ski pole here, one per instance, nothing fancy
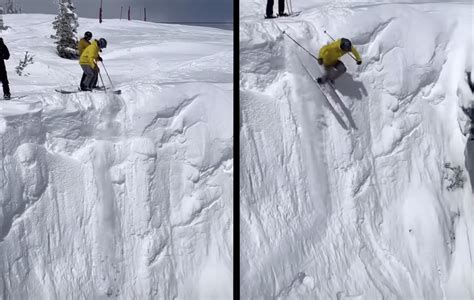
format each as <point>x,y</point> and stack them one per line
<point>107,75</point>
<point>329,35</point>
<point>105,90</point>
<point>291,5</point>
<point>290,10</point>
<point>350,54</point>
<point>299,45</point>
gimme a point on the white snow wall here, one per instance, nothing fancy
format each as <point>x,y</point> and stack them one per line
<point>362,212</point>
<point>117,196</point>
<point>129,196</point>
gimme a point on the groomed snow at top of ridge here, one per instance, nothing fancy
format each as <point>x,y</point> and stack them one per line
<point>353,199</point>
<point>129,196</point>
<point>248,8</point>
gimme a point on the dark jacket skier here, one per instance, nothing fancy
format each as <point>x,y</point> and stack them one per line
<point>4,55</point>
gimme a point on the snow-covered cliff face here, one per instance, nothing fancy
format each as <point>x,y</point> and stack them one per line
<point>349,200</point>
<point>118,196</point>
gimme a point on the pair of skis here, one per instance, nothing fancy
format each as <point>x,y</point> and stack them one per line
<point>292,14</point>
<point>333,100</point>
<point>290,9</point>
<point>66,91</point>
<point>107,90</point>
<point>78,90</point>
<point>14,98</point>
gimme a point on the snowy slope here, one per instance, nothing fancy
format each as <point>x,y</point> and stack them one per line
<point>349,200</point>
<point>118,196</point>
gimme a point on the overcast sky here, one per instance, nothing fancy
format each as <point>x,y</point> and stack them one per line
<point>157,10</point>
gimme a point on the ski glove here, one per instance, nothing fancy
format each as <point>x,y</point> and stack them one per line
<point>99,58</point>
<point>359,62</point>
<point>320,61</point>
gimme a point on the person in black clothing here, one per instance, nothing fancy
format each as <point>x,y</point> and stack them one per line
<point>281,9</point>
<point>4,55</point>
<point>471,85</point>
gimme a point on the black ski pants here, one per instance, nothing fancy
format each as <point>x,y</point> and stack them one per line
<point>281,7</point>
<point>91,76</point>
<point>94,84</point>
<point>4,79</point>
<point>333,72</point>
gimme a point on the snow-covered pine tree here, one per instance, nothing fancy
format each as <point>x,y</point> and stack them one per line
<point>66,25</point>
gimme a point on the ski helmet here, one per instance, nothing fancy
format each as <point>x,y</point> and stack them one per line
<point>346,44</point>
<point>102,43</point>
<point>88,35</point>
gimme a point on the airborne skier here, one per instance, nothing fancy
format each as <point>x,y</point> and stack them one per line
<point>329,57</point>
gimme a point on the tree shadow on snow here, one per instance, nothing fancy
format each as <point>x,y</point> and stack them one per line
<point>347,86</point>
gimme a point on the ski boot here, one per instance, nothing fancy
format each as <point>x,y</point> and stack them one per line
<point>324,79</point>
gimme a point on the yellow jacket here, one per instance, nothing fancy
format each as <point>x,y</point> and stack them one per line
<point>332,52</point>
<point>90,54</point>
<point>82,45</point>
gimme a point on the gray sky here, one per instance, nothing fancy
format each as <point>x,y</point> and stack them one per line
<point>157,10</point>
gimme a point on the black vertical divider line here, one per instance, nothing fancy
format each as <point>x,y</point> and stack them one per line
<point>236,169</point>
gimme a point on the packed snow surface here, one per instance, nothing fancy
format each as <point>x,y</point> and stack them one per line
<point>118,196</point>
<point>353,199</point>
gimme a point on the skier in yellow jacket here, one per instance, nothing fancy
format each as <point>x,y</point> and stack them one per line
<point>329,57</point>
<point>84,42</point>
<point>81,46</point>
<point>88,61</point>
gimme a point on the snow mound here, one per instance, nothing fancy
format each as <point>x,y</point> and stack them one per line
<point>351,199</point>
<point>118,196</point>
